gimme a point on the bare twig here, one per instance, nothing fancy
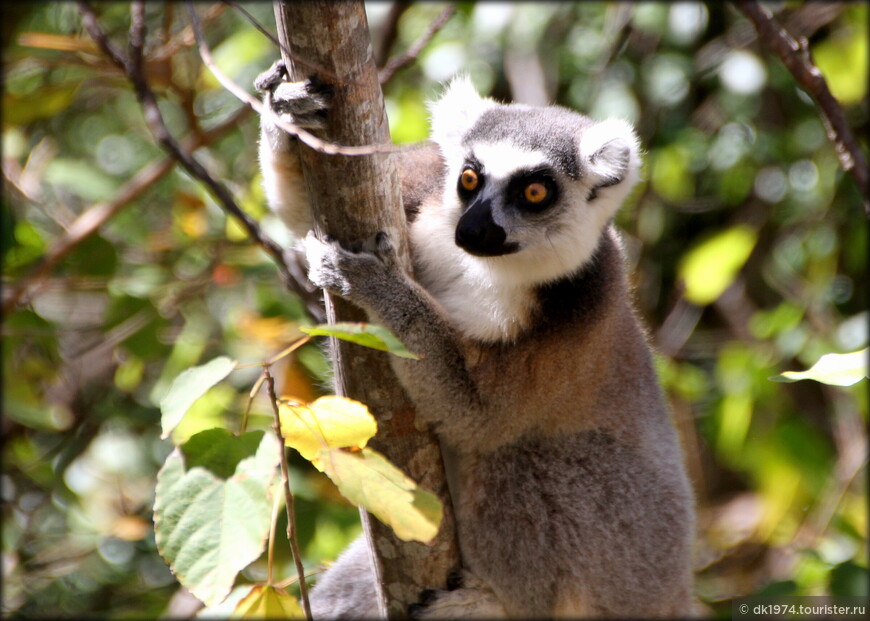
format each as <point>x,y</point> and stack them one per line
<point>321,71</point>
<point>288,495</point>
<point>288,267</point>
<point>397,62</point>
<point>390,31</point>
<point>132,67</point>
<point>308,138</point>
<point>795,55</point>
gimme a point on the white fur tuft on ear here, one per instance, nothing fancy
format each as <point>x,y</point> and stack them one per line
<point>456,110</point>
<point>610,152</point>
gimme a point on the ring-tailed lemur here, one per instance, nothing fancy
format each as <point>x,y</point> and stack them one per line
<point>566,473</point>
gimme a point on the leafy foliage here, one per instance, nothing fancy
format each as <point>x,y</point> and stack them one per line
<point>834,369</point>
<point>366,334</point>
<point>211,513</point>
<point>190,386</point>
<point>367,479</point>
<point>328,422</point>
<point>168,282</point>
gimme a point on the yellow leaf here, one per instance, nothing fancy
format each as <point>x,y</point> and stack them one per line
<point>329,422</point>
<point>710,268</point>
<point>267,602</point>
<point>368,479</point>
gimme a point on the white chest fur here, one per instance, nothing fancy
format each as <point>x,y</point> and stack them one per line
<point>479,303</point>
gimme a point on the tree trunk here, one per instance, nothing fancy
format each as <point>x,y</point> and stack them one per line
<point>353,197</point>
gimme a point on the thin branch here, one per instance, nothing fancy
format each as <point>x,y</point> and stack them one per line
<point>91,220</point>
<point>242,95</point>
<point>288,495</point>
<point>253,21</point>
<point>288,267</point>
<point>321,71</point>
<point>397,62</point>
<point>390,31</point>
<point>795,55</point>
<point>154,118</point>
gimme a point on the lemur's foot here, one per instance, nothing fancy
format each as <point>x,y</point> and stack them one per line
<point>466,597</point>
<point>304,103</point>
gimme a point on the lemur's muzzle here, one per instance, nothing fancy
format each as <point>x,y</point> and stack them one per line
<point>478,234</point>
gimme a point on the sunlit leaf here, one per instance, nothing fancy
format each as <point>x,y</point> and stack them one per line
<point>710,268</point>
<point>268,602</point>
<point>843,62</point>
<point>669,178</point>
<point>212,508</point>
<point>367,479</point>
<point>329,422</point>
<point>834,369</point>
<point>365,334</point>
<point>188,387</point>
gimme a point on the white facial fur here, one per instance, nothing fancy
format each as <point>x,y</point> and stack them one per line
<point>490,298</point>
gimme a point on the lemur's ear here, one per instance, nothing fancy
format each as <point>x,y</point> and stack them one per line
<point>610,153</point>
<point>456,111</point>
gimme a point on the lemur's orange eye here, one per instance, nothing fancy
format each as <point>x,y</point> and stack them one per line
<point>469,179</point>
<point>535,192</point>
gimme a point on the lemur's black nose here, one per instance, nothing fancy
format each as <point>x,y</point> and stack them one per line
<point>478,234</point>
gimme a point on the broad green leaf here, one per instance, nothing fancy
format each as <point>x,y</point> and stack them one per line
<point>368,480</point>
<point>710,268</point>
<point>333,422</point>
<point>365,334</point>
<point>267,602</point>
<point>219,451</point>
<point>212,513</point>
<point>834,369</point>
<point>188,387</point>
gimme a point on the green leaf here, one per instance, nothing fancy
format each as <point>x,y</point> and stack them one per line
<point>81,178</point>
<point>212,514</point>
<point>710,268</point>
<point>834,369</point>
<point>367,479</point>
<point>267,602</point>
<point>219,451</point>
<point>188,387</point>
<point>330,421</point>
<point>50,101</point>
<point>365,334</point>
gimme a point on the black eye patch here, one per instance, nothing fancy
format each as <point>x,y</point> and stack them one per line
<point>532,191</point>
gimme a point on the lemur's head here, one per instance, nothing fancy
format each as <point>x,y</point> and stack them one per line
<point>530,188</point>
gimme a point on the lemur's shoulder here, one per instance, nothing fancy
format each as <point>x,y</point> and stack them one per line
<point>421,170</point>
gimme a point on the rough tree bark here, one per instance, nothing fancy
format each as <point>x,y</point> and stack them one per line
<point>353,197</point>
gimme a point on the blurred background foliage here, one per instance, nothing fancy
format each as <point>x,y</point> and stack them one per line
<point>747,245</point>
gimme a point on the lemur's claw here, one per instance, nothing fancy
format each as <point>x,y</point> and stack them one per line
<point>271,77</point>
<point>304,103</point>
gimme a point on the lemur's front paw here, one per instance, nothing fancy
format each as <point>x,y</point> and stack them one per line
<point>353,273</point>
<point>305,103</point>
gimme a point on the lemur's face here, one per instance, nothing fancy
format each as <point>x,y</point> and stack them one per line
<point>513,186</point>
<point>526,185</point>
